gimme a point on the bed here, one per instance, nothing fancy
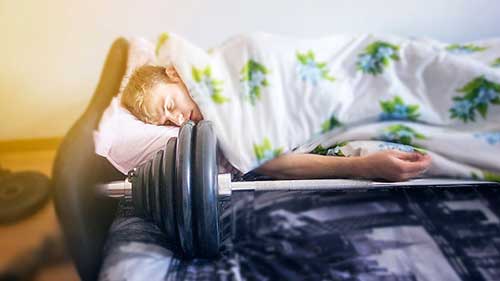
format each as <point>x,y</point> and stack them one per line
<point>407,234</point>
<point>417,234</point>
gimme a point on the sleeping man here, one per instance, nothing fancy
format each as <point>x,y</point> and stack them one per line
<point>381,109</point>
<point>158,96</point>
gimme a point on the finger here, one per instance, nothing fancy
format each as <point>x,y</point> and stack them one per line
<point>406,176</point>
<point>413,166</point>
<point>409,156</point>
<point>400,154</point>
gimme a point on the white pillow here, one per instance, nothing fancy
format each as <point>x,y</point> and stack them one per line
<point>125,141</point>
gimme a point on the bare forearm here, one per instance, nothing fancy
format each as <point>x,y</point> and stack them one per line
<point>389,165</point>
<point>300,166</point>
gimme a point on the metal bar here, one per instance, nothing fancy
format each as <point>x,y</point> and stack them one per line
<point>343,184</point>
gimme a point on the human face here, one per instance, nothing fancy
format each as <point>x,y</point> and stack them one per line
<point>171,104</point>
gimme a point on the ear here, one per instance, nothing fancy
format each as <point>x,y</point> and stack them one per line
<point>172,74</point>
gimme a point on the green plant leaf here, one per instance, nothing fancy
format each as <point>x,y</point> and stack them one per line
<point>413,108</point>
<point>387,106</point>
<point>420,136</point>
<point>398,100</point>
<point>475,176</point>
<point>196,74</point>
<point>207,71</point>
<point>310,55</point>
<point>496,63</point>
<point>472,85</point>
<point>483,109</point>
<point>219,99</point>
<point>320,150</point>
<point>490,176</point>
<point>302,58</point>
<point>161,40</point>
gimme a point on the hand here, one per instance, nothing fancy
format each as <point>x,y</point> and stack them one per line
<point>394,165</point>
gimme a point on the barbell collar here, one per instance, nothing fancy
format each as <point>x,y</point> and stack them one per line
<point>224,186</point>
<point>116,189</point>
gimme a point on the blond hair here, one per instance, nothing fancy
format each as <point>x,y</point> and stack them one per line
<point>138,90</point>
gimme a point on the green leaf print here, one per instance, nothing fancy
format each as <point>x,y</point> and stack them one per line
<point>265,151</point>
<point>330,124</point>
<point>396,109</point>
<point>253,79</point>
<point>478,94</point>
<point>333,150</point>
<point>490,176</point>
<point>401,134</point>
<point>209,85</point>
<point>487,176</point>
<point>376,57</point>
<point>464,48</point>
<point>310,70</point>
<point>161,40</point>
<point>496,63</point>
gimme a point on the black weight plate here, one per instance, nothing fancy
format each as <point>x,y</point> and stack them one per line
<point>205,195</point>
<point>154,194</point>
<point>146,189</point>
<point>22,194</point>
<point>137,191</point>
<point>182,193</point>
<point>167,187</point>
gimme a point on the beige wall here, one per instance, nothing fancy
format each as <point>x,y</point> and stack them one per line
<point>51,52</point>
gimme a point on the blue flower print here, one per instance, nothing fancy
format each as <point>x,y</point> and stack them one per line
<point>396,146</point>
<point>463,109</point>
<point>478,95</point>
<point>459,49</point>
<point>208,85</point>
<point>311,71</point>
<point>396,110</point>
<point>491,138</point>
<point>253,79</point>
<point>265,152</point>
<point>484,96</point>
<point>384,52</point>
<point>367,62</point>
<point>376,57</point>
<point>401,134</point>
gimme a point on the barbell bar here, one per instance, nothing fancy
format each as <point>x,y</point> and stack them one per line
<point>120,189</point>
<point>180,189</point>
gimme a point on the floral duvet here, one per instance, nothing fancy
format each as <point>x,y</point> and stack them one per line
<point>348,95</point>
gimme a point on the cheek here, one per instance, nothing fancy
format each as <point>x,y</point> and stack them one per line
<point>186,100</point>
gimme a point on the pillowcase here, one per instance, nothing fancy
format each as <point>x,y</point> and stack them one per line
<point>125,141</point>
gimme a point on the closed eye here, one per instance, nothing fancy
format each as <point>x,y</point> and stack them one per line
<point>167,107</point>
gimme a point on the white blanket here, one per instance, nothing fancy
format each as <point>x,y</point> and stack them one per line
<point>348,95</point>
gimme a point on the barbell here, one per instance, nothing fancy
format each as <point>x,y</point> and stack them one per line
<point>181,191</point>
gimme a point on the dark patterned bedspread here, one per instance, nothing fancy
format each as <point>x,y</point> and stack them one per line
<point>433,234</point>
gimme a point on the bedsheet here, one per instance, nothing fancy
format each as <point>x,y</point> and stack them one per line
<point>415,234</point>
